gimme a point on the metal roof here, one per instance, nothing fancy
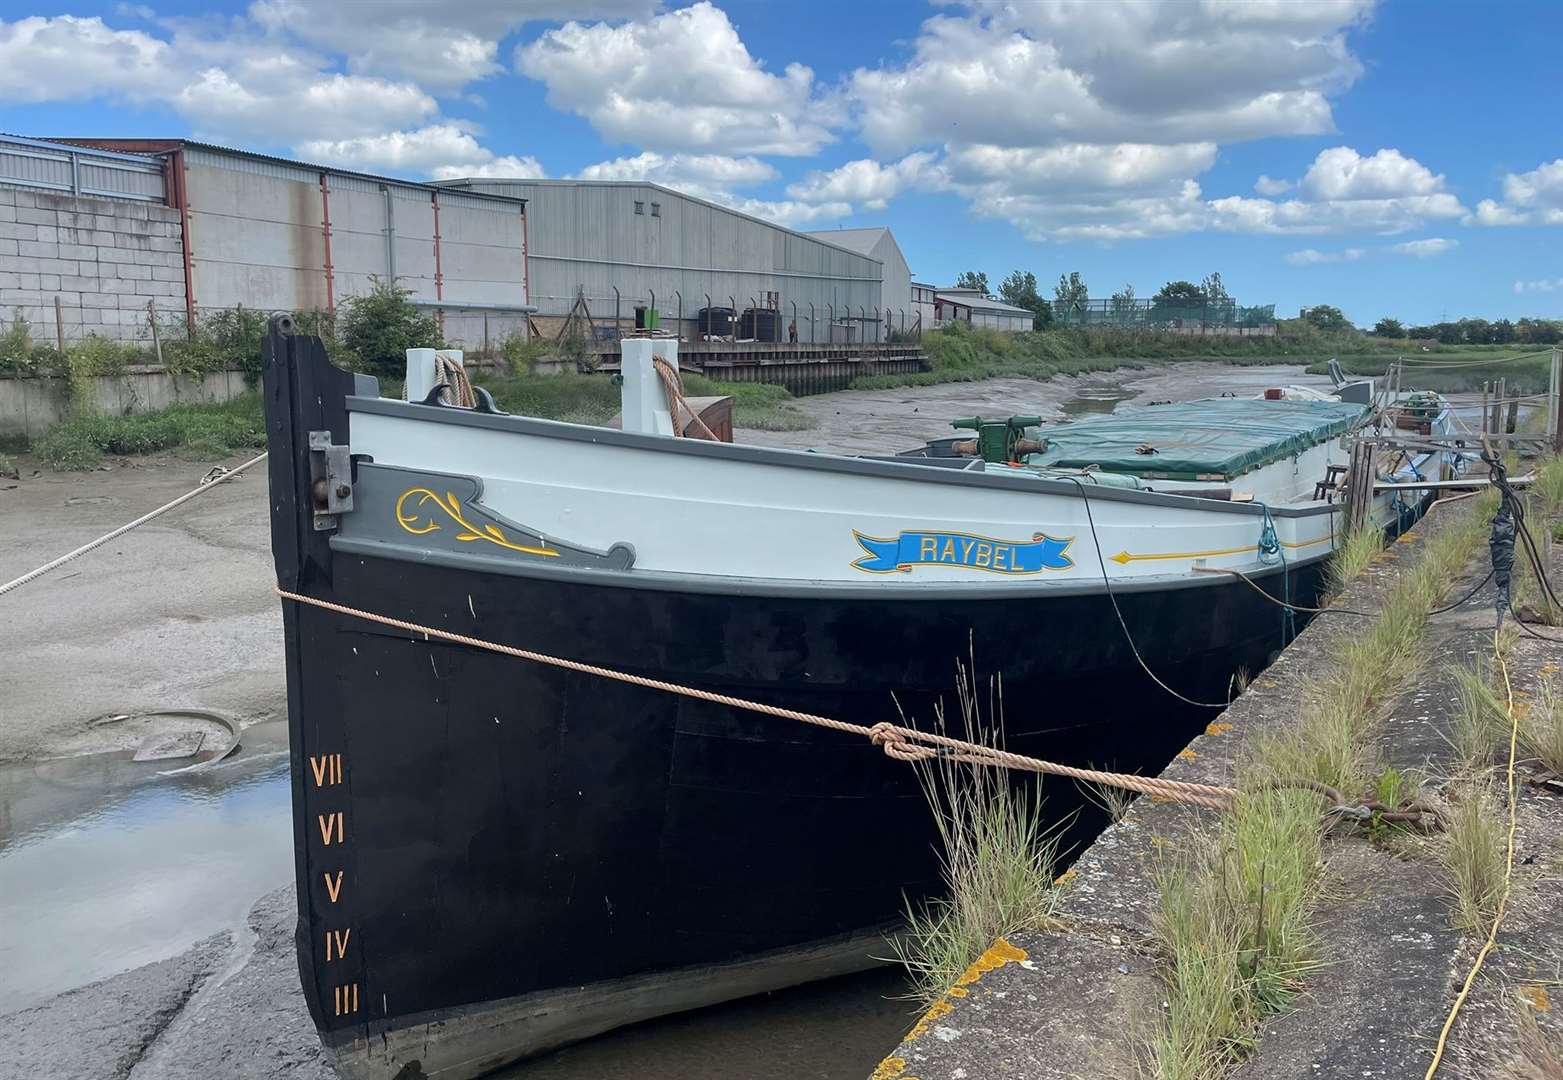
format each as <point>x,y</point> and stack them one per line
<point>980,303</point>
<point>467,182</point>
<point>157,147</point>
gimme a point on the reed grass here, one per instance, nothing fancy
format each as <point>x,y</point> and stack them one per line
<point>1236,910</point>
<point>1356,551</point>
<point>1472,853</point>
<point>998,858</point>
<point>1234,922</point>
<point>1479,717</point>
<point>1541,729</point>
<point>1537,1056</point>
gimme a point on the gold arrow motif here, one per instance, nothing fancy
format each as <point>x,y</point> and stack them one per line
<point>1123,558</point>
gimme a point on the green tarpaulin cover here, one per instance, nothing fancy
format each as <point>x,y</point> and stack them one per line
<point>1219,437</point>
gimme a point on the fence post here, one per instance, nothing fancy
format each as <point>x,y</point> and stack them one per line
<point>1555,419</point>
<point>157,344</point>
<point>59,324</point>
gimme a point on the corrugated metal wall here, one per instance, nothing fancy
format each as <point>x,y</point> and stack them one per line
<point>33,164</point>
<point>258,238</point>
<point>590,237</point>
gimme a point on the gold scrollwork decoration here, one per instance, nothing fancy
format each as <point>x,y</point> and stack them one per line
<point>420,519</point>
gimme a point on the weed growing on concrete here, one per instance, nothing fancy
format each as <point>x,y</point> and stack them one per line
<point>1114,801</point>
<point>1235,913</point>
<point>1352,557</point>
<point>1479,718</point>
<point>1541,729</point>
<point>1471,851</point>
<point>998,863</point>
<point>1234,922</point>
<point>1537,1056</point>
<point>1548,488</point>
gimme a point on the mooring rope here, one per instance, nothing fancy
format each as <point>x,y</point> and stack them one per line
<point>898,742</point>
<point>673,383</point>
<point>1508,872</point>
<point>458,384</point>
<point>207,483</point>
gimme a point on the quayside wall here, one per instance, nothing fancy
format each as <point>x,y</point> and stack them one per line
<point>1084,999</point>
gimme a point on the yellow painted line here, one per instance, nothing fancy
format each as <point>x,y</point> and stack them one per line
<point>1126,557</point>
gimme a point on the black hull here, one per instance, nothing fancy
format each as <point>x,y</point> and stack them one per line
<point>492,830</point>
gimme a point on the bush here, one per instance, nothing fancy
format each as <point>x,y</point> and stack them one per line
<point>377,328</point>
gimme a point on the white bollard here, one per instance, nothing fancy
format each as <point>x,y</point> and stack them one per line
<point>644,402</point>
<point>420,373</point>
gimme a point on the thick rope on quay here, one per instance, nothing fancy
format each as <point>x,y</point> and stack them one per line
<point>207,483</point>
<point>673,383</point>
<point>898,742</point>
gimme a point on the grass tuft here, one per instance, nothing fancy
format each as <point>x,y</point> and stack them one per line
<point>998,863</point>
<point>1541,729</point>
<point>1471,852</point>
<point>1233,921</point>
<point>1235,911</point>
<point>1352,557</point>
<point>1479,719</point>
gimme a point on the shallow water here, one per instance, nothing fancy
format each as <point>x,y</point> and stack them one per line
<point>107,864</point>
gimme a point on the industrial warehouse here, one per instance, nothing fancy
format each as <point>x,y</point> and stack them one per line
<point>106,226</point>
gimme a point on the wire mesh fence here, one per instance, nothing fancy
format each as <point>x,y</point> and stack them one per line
<point>1186,315</point>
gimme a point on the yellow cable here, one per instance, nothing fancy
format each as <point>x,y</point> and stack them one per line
<point>1508,871</point>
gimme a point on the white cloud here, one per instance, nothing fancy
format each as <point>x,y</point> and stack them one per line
<point>1111,71</point>
<point>679,81</point>
<point>1342,173</point>
<point>1492,213</point>
<point>1268,186</point>
<point>1543,285</point>
<point>435,43</point>
<point>683,170</point>
<point>1424,249</point>
<point>788,212</point>
<point>281,101</point>
<point>508,167</point>
<point>72,59</point>
<point>868,182</point>
<point>1541,188</point>
<point>229,89</point>
<point>444,151</point>
<point>1312,256</point>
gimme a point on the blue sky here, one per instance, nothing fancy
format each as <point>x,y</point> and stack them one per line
<point>1393,158</point>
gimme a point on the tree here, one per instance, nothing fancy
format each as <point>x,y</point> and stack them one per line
<point>1020,289</point>
<point>382,324</point>
<point>1503,332</point>
<point>1184,293</point>
<point>1215,292</point>
<point>1387,327</point>
<point>1123,300</point>
<point>1327,318</point>
<point>1070,294</point>
<point>973,279</point>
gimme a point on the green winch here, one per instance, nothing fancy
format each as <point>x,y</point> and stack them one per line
<point>999,442</point>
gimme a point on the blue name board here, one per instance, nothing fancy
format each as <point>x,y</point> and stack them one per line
<point>911,549</point>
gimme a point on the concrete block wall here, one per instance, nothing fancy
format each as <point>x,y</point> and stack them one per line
<point>104,258</point>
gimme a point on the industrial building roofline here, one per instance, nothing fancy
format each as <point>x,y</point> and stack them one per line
<point>465,185</point>
<point>143,148</point>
